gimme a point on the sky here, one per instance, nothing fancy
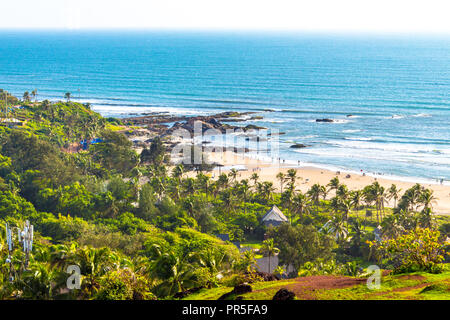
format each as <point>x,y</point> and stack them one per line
<point>410,16</point>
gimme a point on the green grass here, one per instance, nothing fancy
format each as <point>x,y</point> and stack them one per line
<point>395,287</point>
<point>209,294</point>
<point>252,244</point>
<point>416,286</point>
<point>436,291</point>
<point>114,127</point>
<point>261,291</point>
<point>266,290</point>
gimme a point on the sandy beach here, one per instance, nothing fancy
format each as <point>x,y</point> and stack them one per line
<point>311,175</point>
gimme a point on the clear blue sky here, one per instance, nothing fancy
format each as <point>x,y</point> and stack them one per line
<point>318,15</point>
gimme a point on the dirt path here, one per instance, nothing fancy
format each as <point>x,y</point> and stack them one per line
<point>304,287</point>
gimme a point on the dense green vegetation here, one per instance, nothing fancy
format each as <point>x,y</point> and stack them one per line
<point>142,229</point>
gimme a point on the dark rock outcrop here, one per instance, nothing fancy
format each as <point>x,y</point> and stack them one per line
<point>324,120</point>
<point>298,146</point>
<point>252,127</point>
<point>284,295</point>
<point>157,123</point>
<point>238,290</point>
<point>255,139</point>
<point>242,288</point>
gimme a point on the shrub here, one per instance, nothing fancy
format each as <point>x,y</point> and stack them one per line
<point>418,250</point>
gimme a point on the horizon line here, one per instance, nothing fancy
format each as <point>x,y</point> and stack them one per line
<point>232,30</point>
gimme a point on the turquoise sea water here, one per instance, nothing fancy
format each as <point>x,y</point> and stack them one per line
<point>396,88</point>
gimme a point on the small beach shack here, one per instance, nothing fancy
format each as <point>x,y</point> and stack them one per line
<point>274,217</point>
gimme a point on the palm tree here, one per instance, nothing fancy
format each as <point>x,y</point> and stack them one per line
<point>248,261</point>
<point>61,254</point>
<point>189,186</point>
<point>357,232</point>
<point>281,177</point>
<point>142,265</point>
<point>368,196</point>
<point>279,271</point>
<point>342,192</point>
<point>215,261</point>
<point>26,96</point>
<point>427,199</point>
<point>335,204</point>
<point>411,198</point>
<point>301,203</point>
<point>112,206</point>
<point>269,250</point>
<point>188,205</point>
<point>375,193</point>
<point>381,198</point>
<point>254,178</point>
<point>394,193</point>
<point>222,182</point>
<point>94,263</point>
<point>244,190</point>
<point>292,177</point>
<point>38,282</point>
<point>228,201</point>
<point>287,201</point>
<point>203,182</point>
<point>337,228</point>
<point>233,174</point>
<point>34,94</point>
<point>323,192</point>
<point>346,206</point>
<point>334,184</point>
<point>267,190</point>
<point>426,218</point>
<point>158,186</point>
<point>392,225</point>
<point>175,271</point>
<point>314,193</point>
<point>67,96</point>
<point>356,198</point>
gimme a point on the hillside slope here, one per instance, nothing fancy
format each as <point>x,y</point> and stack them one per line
<point>417,286</point>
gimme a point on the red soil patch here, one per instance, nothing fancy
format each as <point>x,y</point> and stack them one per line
<point>412,277</point>
<point>305,286</point>
<point>417,286</point>
<point>384,273</point>
<point>408,277</point>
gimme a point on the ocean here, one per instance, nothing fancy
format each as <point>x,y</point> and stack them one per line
<point>396,88</point>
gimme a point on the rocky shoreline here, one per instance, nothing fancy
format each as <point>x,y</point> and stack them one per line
<point>164,125</point>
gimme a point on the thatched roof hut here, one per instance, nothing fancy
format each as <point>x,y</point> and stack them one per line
<point>274,217</point>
